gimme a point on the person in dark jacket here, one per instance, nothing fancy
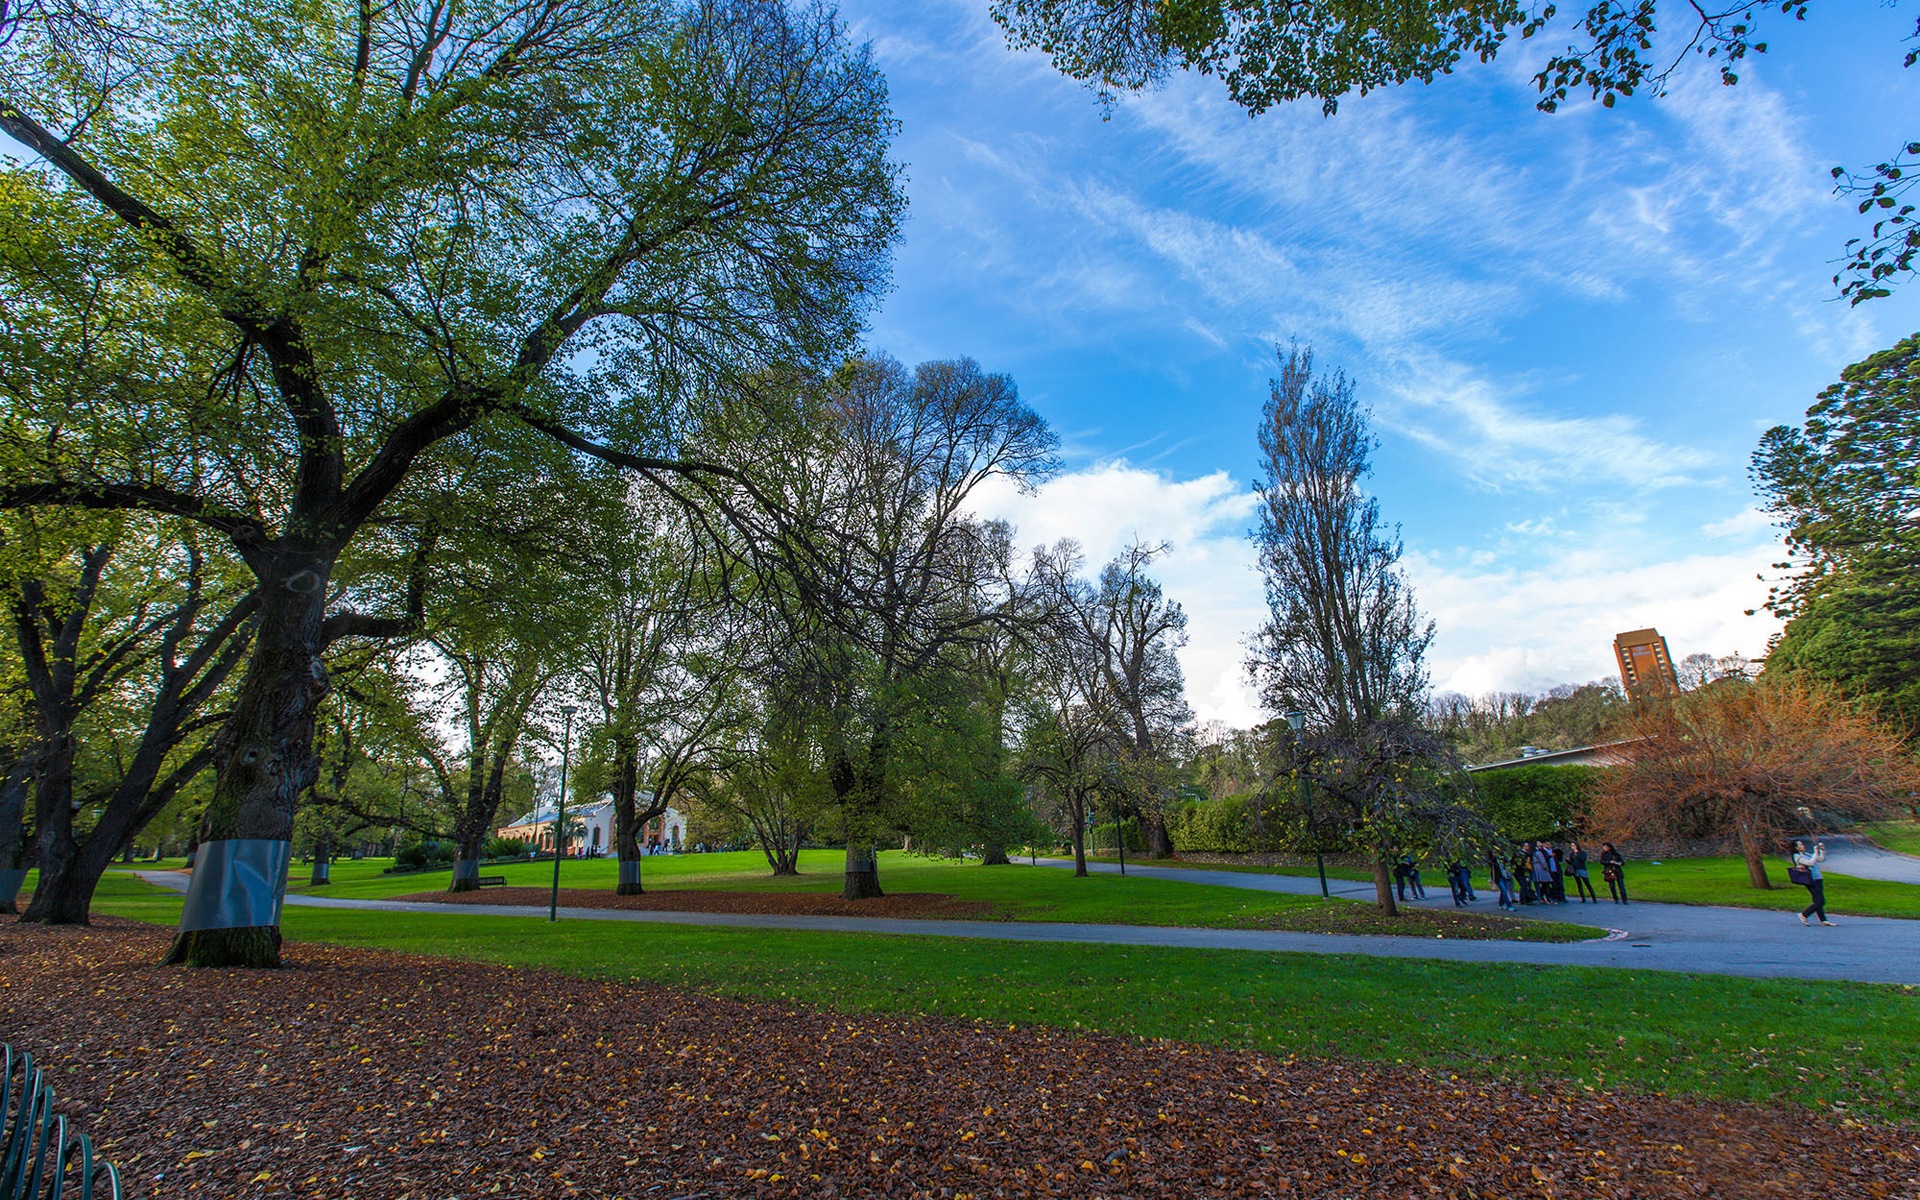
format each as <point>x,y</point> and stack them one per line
<point>1502,878</point>
<point>1613,868</point>
<point>1577,867</point>
<point>1460,879</point>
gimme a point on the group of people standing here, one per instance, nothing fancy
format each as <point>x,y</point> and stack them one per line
<point>1536,874</point>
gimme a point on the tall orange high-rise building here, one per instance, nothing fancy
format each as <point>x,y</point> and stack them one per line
<point>1644,661</point>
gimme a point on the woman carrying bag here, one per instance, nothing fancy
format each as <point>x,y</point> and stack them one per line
<point>1613,869</point>
<point>1805,871</point>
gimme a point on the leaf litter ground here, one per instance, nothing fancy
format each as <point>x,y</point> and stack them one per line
<point>363,1074</point>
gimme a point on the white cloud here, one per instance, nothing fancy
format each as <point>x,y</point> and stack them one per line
<point>1504,629</point>
<point>1499,443</point>
<point>1743,524</point>
<point>1499,627</point>
<point>1209,567</point>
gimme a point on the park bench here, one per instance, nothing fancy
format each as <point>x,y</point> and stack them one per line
<point>492,881</point>
<point>39,1158</point>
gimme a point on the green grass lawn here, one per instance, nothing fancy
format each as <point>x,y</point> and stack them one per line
<point>1791,1041</point>
<point>1903,836</point>
<point>1724,881</point>
<point>1016,891</point>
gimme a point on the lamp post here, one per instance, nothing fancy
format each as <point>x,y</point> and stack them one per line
<point>560,811</point>
<point>1298,721</point>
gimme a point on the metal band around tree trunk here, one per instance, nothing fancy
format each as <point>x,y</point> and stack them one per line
<point>238,883</point>
<point>10,880</point>
<point>466,868</point>
<point>629,870</point>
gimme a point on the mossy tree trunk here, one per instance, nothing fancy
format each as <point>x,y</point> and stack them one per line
<point>265,756</point>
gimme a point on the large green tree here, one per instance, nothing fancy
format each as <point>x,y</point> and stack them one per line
<point>1845,486</point>
<point>127,631</point>
<point>390,227</point>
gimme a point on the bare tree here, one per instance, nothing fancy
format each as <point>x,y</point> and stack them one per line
<point>1132,634</point>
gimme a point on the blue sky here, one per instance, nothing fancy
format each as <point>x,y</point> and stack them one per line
<point>1572,329</point>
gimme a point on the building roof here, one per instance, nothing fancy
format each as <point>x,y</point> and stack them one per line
<point>1605,752</point>
<point>543,816</point>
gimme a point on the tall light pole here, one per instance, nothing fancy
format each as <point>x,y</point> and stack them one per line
<point>1298,721</point>
<point>560,811</point>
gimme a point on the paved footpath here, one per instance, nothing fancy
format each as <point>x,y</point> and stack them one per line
<point>1659,937</point>
<point>1865,860</point>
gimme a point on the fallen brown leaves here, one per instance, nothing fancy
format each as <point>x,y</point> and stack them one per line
<point>362,1075</point>
<point>805,904</point>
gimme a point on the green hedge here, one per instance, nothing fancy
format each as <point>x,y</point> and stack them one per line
<point>1537,801</point>
<point>1228,826</point>
<point>1101,841</point>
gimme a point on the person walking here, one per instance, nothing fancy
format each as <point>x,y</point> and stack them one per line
<point>1543,872</point>
<point>1502,879</point>
<point>1577,867</point>
<point>1613,868</point>
<point>1460,879</point>
<point>1400,869</point>
<point>1809,861</point>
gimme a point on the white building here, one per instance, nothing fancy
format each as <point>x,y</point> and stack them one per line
<point>590,827</point>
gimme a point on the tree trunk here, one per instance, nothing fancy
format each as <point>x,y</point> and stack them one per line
<point>322,866</point>
<point>64,897</point>
<point>266,762</point>
<point>1159,845</point>
<point>475,825</point>
<point>13,833</point>
<point>1383,887</point>
<point>53,823</point>
<point>69,877</point>
<point>993,854</point>
<point>1079,841</point>
<point>786,858</point>
<point>1755,854</point>
<point>863,874</point>
<point>11,878</point>
<point>627,822</point>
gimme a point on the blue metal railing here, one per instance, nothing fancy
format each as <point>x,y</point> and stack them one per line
<point>39,1158</point>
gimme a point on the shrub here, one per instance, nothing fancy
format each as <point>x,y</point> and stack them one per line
<point>1101,840</point>
<point>429,852</point>
<point>1246,823</point>
<point>1537,801</point>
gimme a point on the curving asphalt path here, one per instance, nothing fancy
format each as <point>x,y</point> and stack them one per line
<point>1658,937</point>
<point>1865,860</point>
